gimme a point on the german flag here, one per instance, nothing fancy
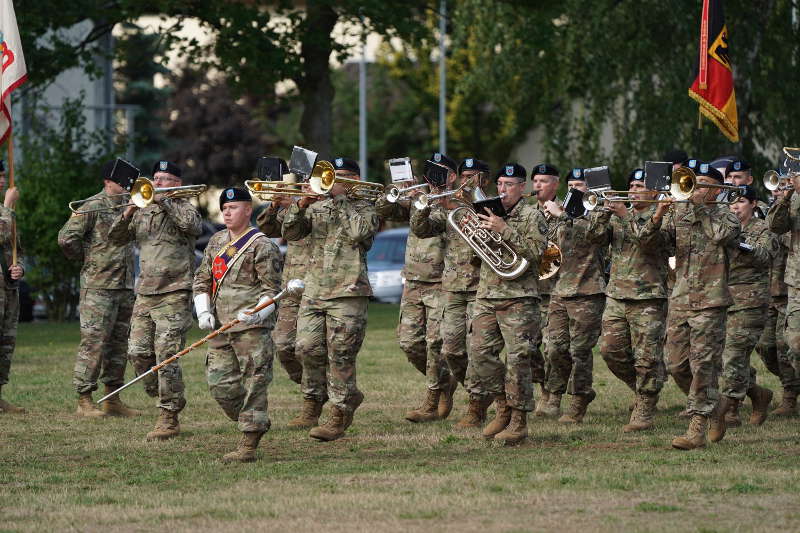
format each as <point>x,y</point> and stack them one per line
<point>713,87</point>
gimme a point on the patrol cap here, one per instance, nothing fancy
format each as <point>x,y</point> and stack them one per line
<point>736,165</point>
<point>512,170</point>
<point>637,174</point>
<point>705,169</point>
<point>576,174</point>
<point>442,159</point>
<point>345,163</point>
<point>676,156</point>
<point>471,163</point>
<point>748,192</point>
<point>544,169</point>
<point>234,194</point>
<point>168,167</point>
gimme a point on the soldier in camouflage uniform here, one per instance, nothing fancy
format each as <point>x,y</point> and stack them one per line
<point>332,319</point>
<point>772,346</point>
<point>165,232</point>
<point>634,320</point>
<point>576,307</point>
<point>419,327</point>
<point>106,301</point>
<point>701,233</point>
<point>738,172</point>
<point>459,286</point>
<point>227,283</point>
<point>9,288</point>
<point>507,312</point>
<point>748,281</point>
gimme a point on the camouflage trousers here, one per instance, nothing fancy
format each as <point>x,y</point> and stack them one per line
<point>238,372</point>
<point>419,331</point>
<point>743,329</point>
<point>511,323</point>
<point>632,342</point>
<point>792,327</point>
<point>103,351</point>
<point>540,365</point>
<point>572,331</point>
<point>285,336</point>
<point>9,316</point>
<point>458,309</point>
<point>158,331</point>
<point>329,336</point>
<point>772,347</point>
<point>695,342</point>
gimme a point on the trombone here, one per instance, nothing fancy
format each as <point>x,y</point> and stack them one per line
<point>142,194</point>
<point>267,190</point>
<point>323,178</point>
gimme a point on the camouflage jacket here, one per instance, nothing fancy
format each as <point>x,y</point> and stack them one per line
<point>106,265</point>
<point>582,242</point>
<point>785,217</point>
<point>639,258</point>
<point>748,278</point>
<point>297,262</point>
<point>526,233</point>
<point>424,256</point>
<point>7,217</point>
<point>777,288</point>
<point>462,268</point>
<point>341,232</point>
<point>546,286</point>
<point>166,234</point>
<point>255,274</point>
<point>701,236</point>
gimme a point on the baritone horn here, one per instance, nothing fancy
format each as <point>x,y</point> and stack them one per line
<point>323,178</point>
<point>142,194</point>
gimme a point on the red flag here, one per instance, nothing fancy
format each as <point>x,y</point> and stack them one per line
<point>713,87</point>
<point>13,72</point>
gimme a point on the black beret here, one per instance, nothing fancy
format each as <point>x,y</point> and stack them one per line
<point>168,167</point>
<point>345,163</point>
<point>748,192</point>
<point>234,194</point>
<point>705,169</point>
<point>736,166</point>
<point>637,174</point>
<point>512,170</point>
<point>106,169</point>
<point>441,159</point>
<point>545,170</point>
<point>470,163</point>
<point>576,174</point>
<point>676,156</point>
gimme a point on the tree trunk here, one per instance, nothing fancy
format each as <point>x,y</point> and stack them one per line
<point>316,89</point>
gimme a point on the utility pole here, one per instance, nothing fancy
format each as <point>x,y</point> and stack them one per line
<point>362,104</point>
<point>442,77</point>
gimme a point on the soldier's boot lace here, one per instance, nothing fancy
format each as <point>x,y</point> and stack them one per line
<point>695,436</point>
<point>332,429</point>
<point>309,415</point>
<point>552,407</point>
<point>86,406</point>
<point>788,406</point>
<point>501,418</point>
<point>732,419</point>
<point>167,426</point>
<point>9,408</point>
<point>717,425</point>
<point>577,408</point>
<point>428,411</point>
<point>643,413</point>
<point>114,406</point>
<point>355,402</point>
<point>517,429</point>
<point>246,451</point>
<point>446,398</point>
<point>761,398</point>
<point>476,412</point>
<point>544,397</point>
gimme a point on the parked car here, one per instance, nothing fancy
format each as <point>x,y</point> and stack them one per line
<point>385,262</point>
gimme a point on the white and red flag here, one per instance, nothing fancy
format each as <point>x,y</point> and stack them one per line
<point>13,72</point>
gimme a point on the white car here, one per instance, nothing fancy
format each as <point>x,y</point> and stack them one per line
<point>385,262</point>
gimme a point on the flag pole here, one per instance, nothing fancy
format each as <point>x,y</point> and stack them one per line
<point>10,186</point>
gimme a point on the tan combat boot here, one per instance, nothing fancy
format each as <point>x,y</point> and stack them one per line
<point>9,408</point>
<point>86,406</point>
<point>643,413</point>
<point>355,403</point>
<point>246,451</point>
<point>695,436</point>
<point>476,413</point>
<point>761,398</point>
<point>788,406</point>
<point>332,429</point>
<point>167,426</point>
<point>446,398</point>
<point>428,411</point>
<point>517,429</point>
<point>552,407</point>
<point>577,408</point>
<point>716,422</point>
<point>501,418</point>
<point>309,415</point>
<point>114,406</point>
<point>540,405</point>
<point>732,419</point>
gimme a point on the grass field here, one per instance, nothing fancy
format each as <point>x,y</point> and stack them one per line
<point>59,472</point>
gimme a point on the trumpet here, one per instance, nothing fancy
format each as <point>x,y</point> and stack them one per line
<point>142,194</point>
<point>323,178</point>
<point>394,193</point>
<point>424,200</point>
<point>772,181</point>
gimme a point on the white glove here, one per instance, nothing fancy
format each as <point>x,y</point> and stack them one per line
<point>256,318</point>
<point>202,306</point>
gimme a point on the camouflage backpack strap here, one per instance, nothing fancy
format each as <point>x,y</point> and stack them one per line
<point>228,255</point>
